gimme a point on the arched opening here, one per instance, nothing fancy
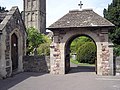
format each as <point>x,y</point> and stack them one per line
<point>86,41</point>
<point>14,52</point>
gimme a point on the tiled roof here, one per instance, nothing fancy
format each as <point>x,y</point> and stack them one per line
<point>84,18</point>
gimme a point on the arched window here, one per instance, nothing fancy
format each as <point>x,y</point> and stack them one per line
<point>33,16</point>
<point>34,4</point>
<point>29,3</point>
<point>29,17</point>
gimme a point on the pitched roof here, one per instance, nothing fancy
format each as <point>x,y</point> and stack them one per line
<point>84,18</point>
<point>8,17</point>
<point>2,16</point>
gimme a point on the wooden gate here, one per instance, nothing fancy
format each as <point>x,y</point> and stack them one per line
<point>14,51</point>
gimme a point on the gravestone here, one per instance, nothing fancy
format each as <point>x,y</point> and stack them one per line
<point>117,65</point>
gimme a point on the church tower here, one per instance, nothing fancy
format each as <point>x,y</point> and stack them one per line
<point>35,14</point>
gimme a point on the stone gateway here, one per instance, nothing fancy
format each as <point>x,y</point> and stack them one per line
<point>81,23</point>
<point>12,42</point>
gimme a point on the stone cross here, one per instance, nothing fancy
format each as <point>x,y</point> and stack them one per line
<point>80,4</point>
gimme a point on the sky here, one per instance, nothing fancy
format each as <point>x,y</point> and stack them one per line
<point>55,9</point>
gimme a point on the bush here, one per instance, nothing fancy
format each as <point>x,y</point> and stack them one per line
<point>44,48</point>
<point>117,50</point>
<point>34,39</point>
<point>79,42</point>
<point>87,53</point>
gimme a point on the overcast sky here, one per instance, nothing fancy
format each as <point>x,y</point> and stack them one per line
<point>57,8</point>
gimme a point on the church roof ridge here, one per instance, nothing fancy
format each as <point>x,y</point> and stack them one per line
<point>82,10</point>
<point>81,18</point>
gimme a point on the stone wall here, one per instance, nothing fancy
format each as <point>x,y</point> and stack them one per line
<point>35,64</point>
<point>117,62</point>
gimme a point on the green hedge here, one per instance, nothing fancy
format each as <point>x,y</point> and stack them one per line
<point>87,53</point>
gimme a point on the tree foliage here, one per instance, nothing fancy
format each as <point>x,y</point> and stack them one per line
<point>113,15</point>
<point>87,53</point>
<point>34,39</point>
<point>78,42</point>
<point>3,9</point>
<point>44,48</point>
<point>85,49</point>
<point>38,41</point>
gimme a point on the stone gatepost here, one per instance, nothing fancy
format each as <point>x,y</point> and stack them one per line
<point>104,55</point>
<point>57,67</point>
<point>106,60</point>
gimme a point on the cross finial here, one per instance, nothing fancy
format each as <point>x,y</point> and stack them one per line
<point>80,4</point>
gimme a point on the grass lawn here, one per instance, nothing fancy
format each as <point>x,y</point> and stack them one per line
<point>81,64</point>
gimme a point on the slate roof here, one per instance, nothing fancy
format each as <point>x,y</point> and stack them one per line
<point>84,18</point>
<point>8,16</point>
<point>2,16</point>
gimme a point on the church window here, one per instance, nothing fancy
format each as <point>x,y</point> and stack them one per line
<point>29,3</point>
<point>29,17</point>
<point>33,16</point>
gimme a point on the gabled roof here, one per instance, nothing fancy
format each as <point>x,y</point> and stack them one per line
<point>84,18</point>
<point>14,11</point>
<point>2,16</point>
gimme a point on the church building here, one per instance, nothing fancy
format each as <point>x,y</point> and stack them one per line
<point>12,42</point>
<point>13,35</point>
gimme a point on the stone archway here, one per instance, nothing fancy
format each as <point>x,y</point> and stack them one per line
<point>68,51</point>
<point>77,23</point>
<point>17,46</point>
<point>104,52</point>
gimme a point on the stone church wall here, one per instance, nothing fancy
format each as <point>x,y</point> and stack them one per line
<point>12,23</point>
<point>36,64</point>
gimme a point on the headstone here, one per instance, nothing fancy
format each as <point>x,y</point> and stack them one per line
<point>118,65</point>
<point>35,51</point>
<point>74,56</point>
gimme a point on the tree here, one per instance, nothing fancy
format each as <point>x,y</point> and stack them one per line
<point>78,42</point>
<point>87,53</point>
<point>44,48</point>
<point>34,39</point>
<point>113,15</point>
<point>3,9</point>
<point>85,49</point>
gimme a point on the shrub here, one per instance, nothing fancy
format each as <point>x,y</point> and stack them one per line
<point>117,50</point>
<point>34,39</point>
<point>44,49</point>
<point>87,53</point>
<point>79,42</point>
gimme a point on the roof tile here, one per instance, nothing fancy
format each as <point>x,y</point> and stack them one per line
<point>84,18</point>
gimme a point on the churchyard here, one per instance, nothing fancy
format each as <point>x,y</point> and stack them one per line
<point>81,52</point>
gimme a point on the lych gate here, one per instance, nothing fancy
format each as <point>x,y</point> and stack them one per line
<point>72,25</point>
